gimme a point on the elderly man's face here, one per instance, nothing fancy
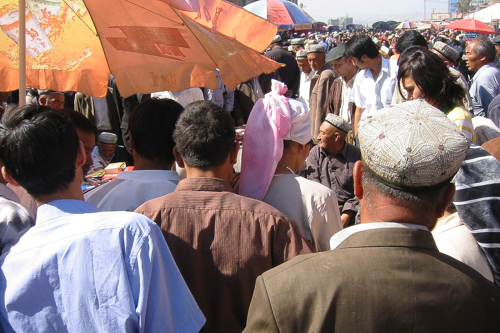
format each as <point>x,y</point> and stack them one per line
<point>343,66</point>
<point>54,100</point>
<point>304,65</point>
<point>106,151</point>
<point>472,59</point>
<point>328,138</point>
<point>316,60</point>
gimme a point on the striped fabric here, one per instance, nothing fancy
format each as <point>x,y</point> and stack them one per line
<point>463,119</point>
<point>478,202</point>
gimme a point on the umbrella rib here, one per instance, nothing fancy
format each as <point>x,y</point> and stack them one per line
<point>182,23</point>
<point>187,26</point>
<point>76,14</point>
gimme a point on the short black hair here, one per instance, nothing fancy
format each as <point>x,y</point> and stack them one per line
<point>410,38</point>
<point>360,45</point>
<point>38,147</point>
<point>204,135</point>
<point>152,124</point>
<point>79,121</point>
<point>431,75</point>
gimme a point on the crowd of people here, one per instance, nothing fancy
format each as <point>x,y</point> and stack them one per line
<point>362,198</point>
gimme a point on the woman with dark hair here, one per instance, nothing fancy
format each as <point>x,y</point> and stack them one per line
<point>424,75</point>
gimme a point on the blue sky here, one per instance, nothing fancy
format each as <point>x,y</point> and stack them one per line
<point>370,11</point>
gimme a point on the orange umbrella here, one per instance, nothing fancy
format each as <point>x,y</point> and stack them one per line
<point>471,25</point>
<point>148,45</point>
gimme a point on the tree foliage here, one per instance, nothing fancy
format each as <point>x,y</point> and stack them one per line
<point>464,6</point>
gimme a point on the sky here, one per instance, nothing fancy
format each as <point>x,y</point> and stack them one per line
<point>371,11</point>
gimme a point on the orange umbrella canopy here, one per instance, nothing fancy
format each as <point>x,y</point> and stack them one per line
<point>148,45</point>
<point>471,25</point>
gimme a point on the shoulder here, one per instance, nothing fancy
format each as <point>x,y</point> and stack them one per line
<point>353,150</point>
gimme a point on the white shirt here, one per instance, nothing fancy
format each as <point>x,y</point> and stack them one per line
<point>131,189</point>
<point>311,206</point>
<point>454,239</point>
<point>101,116</point>
<point>97,159</point>
<point>342,236</point>
<point>305,87</point>
<point>371,94</point>
<point>345,113</point>
<point>183,97</point>
<point>81,270</point>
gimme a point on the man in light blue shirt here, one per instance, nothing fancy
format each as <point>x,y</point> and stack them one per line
<point>78,269</point>
<point>485,84</point>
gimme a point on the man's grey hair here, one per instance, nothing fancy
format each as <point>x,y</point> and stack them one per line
<point>485,46</point>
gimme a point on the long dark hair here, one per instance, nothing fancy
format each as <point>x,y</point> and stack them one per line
<point>432,76</point>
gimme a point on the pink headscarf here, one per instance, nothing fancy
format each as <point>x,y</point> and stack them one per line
<point>269,122</point>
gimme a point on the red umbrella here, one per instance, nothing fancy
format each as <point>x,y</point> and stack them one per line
<point>471,25</point>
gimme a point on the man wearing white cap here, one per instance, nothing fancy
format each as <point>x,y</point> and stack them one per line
<point>320,86</point>
<point>107,151</point>
<point>331,163</point>
<point>386,274</point>
<point>312,207</point>
<point>306,75</point>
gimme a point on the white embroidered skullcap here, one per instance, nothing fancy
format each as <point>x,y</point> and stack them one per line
<point>412,146</point>
<point>107,138</point>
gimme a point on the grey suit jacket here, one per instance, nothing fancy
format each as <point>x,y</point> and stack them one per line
<point>381,280</point>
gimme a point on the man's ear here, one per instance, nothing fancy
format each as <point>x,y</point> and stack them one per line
<point>357,175</point>
<point>447,197</point>
<point>132,146</point>
<point>9,178</point>
<point>233,153</point>
<point>81,157</point>
<point>178,157</point>
<point>42,100</point>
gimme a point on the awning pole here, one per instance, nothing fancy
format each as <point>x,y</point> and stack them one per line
<point>22,53</point>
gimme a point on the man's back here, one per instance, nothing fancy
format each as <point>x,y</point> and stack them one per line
<point>80,270</point>
<point>383,280</point>
<point>221,243</point>
<point>312,207</point>
<point>290,74</point>
<point>131,189</point>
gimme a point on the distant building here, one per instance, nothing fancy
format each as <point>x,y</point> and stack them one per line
<point>341,21</point>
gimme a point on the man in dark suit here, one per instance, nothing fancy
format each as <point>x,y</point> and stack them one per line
<point>386,274</point>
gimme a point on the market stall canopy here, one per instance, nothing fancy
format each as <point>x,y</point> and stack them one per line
<point>470,25</point>
<point>487,14</point>
<point>283,13</point>
<point>148,45</point>
<point>406,25</point>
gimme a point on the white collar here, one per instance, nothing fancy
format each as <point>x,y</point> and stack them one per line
<point>342,235</point>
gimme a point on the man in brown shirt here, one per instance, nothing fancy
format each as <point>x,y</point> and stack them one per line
<point>220,241</point>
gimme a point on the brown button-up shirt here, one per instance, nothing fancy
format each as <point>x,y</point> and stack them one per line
<point>221,242</point>
<point>335,172</point>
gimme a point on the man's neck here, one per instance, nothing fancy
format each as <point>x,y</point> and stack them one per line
<point>144,164</point>
<point>337,150</point>
<point>375,66</point>
<point>215,172</point>
<point>72,192</point>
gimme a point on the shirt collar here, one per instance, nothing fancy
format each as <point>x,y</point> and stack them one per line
<point>342,235</point>
<point>149,175</point>
<point>59,208</point>
<point>342,152</point>
<point>482,69</point>
<point>204,184</point>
